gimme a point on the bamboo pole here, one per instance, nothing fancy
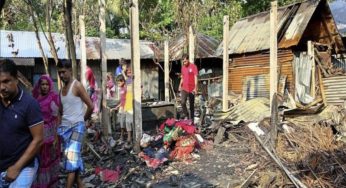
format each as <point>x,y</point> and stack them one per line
<point>166,72</point>
<point>273,50</point>
<point>191,45</point>
<point>225,63</point>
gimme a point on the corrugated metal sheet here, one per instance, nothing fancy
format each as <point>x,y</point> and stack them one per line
<point>339,63</point>
<point>258,64</point>
<point>296,28</point>
<point>335,91</point>
<point>303,72</point>
<point>205,46</point>
<point>252,110</point>
<point>256,86</point>
<point>117,48</point>
<point>24,45</point>
<point>252,33</point>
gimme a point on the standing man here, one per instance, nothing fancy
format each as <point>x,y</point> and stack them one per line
<point>90,78</point>
<point>21,131</point>
<point>73,97</point>
<point>188,86</point>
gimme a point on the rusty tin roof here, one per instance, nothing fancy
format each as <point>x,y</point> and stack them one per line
<point>252,33</point>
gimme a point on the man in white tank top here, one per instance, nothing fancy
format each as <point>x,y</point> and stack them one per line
<point>73,97</point>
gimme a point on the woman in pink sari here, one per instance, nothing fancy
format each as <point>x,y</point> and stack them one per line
<point>49,156</point>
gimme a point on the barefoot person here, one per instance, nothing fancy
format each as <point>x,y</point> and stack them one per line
<point>73,97</point>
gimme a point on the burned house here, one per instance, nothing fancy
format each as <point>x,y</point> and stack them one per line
<point>298,66</point>
<point>209,65</point>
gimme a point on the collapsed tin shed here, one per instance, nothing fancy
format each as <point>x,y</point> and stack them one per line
<point>249,46</point>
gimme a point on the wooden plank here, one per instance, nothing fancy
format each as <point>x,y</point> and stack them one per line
<point>273,50</point>
<point>166,71</point>
<point>135,58</point>
<point>322,87</point>
<point>220,135</point>
<point>247,182</point>
<point>225,63</point>
<point>276,159</point>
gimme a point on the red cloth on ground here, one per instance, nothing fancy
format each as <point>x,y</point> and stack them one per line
<point>151,162</point>
<point>108,175</point>
<point>183,148</point>
<point>186,125</point>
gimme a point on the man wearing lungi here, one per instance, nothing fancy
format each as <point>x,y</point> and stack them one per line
<point>73,97</point>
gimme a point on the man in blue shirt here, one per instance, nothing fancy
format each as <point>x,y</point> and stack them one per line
<point>121,68</point>
<point>21,130</point>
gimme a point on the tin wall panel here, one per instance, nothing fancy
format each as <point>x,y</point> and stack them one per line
<point>335,91</point>
<point>240,69</point>
<point>256,86</point>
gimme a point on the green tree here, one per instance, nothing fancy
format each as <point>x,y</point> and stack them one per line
<point>214,11</point>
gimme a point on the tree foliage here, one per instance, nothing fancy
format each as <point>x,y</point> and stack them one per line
<point>159,19</point>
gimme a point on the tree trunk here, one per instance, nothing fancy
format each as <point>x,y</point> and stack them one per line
<point>105,114</point>
<point>50,38</point>
<point>53,50</point>
<point>69,34</point>
<point>44,57</point>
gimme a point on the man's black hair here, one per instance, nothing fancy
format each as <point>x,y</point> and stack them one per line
<point>64,64</point>
<point>8,66</point>
<point>185,56</point>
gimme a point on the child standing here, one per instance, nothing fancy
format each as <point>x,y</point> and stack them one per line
<point>120,107</point>
<point>125,120</point>
<point>128,108</point>
<point>110,86</point>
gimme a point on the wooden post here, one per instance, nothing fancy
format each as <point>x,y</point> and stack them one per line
<point>320,79</point>
<point>311,55</point>
<point>135,58</point>
<point>191,45</point>
<point>166,72</point>
<point>273,50</point>
<point>105,121</point>
<point>83,62</point>
<point>225,63</point>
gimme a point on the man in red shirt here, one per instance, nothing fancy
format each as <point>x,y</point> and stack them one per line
<point>90,78</point>
<point>188,86</point>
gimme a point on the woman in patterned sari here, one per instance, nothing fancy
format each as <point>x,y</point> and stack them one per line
<point>49,156</point>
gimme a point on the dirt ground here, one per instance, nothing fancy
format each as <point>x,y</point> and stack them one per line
<point>309,148</point>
